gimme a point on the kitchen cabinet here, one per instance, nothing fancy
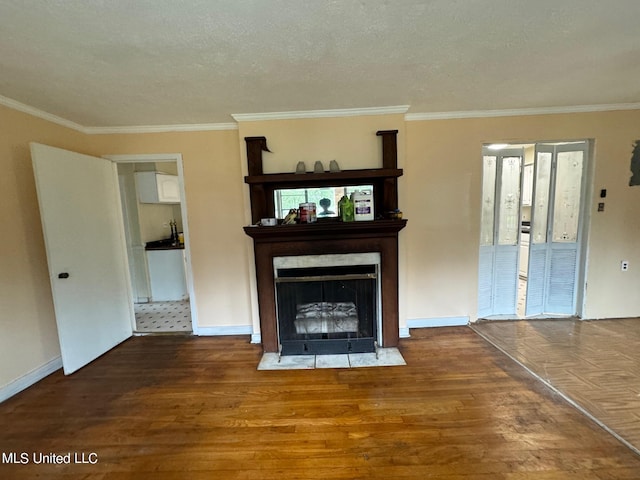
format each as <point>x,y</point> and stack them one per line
<point>524,255</point>
<point>157,187</point>
<point>167,275</point>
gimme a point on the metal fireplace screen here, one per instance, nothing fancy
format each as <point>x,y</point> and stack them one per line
<point>327,310</point>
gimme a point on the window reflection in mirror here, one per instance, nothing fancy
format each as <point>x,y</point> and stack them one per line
<point>325,198</point>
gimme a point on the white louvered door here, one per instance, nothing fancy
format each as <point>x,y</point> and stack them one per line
<point>555,229</point>
<point>538,268</point>
<point>500,232</point>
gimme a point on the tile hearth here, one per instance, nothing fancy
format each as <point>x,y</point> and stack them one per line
<point>387,357</point>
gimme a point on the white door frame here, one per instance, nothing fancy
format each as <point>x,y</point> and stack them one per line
<point>172,157</point>
<point>588,187</point>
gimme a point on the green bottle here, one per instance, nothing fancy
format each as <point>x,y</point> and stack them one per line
<point>346,209</point>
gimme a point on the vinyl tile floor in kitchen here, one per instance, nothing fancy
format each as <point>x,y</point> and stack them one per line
<point>163,317</point>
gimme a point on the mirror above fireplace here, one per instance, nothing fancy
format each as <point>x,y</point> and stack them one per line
<point>286,199</point>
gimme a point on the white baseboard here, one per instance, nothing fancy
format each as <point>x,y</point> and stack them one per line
<point>437,322</point>
<point>25,381</point>
<point>404,332</point>
<point>225,330</point>
<point>256,338</point>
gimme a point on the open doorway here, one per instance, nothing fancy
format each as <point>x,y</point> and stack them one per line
<point>154,213</point>
<point>532,223</point>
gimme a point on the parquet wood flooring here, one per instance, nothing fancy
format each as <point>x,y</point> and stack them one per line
<point>596,364</point>
<point>175,407</point>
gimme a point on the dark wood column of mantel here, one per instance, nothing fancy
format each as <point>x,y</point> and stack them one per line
<point>320,239</point>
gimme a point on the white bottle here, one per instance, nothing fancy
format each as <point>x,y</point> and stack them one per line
<point>363,205</point>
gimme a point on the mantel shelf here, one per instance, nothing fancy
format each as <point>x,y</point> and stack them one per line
<point>325,229</point>
<point>311,178</point>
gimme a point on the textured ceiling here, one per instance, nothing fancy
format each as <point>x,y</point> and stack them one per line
<point>164,62</point>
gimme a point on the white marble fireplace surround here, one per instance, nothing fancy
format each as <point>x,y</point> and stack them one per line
<point>336,260</point>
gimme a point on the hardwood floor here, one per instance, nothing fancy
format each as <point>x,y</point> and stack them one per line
<point>176,407</point>
<point>596,364</point>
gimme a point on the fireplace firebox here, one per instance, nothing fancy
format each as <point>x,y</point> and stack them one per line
<point>327,310</point>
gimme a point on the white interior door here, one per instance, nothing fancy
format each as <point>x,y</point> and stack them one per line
<point>86,253</point>
<point>500,232</point>
<point>554,249</point>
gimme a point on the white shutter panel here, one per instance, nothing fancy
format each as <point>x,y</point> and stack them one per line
<point>485,274</point>
<point>505,293</point>
<point>536,279</point>
<point>562,279</point>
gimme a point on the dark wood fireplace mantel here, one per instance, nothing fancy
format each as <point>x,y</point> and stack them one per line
<point>327,236</point>
<point>325,230</point>
<point>333,238</point>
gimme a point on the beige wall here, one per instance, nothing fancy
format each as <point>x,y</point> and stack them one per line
<point>351,141</point>
<point>153,218</point>
<point>443,176</point>
<point>439,194</point>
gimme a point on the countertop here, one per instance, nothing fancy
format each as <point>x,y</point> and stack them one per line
<point>165,244</point>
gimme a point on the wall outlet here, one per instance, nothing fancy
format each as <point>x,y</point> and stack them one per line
<point>624,265</point>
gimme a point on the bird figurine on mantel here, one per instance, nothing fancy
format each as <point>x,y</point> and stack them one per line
<point>291,217</point>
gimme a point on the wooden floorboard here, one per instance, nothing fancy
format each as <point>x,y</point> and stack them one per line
<point>596,364</point>
<point>177,407</point>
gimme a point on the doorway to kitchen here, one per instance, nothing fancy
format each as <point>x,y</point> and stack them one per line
<point>533,217</point>
<point>154,213</point>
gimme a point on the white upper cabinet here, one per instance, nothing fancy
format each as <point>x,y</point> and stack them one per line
<point>156,187</point>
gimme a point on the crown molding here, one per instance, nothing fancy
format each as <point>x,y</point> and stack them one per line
<point>195,127</point>
<point>21,107</point>
<point>332,113</point>
<point>410,117</point>
<point>339,112</point>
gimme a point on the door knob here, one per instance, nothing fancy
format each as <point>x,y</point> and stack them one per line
<point>63,275</point>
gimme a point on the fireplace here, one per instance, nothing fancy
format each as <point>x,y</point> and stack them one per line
<point>327,304</point>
